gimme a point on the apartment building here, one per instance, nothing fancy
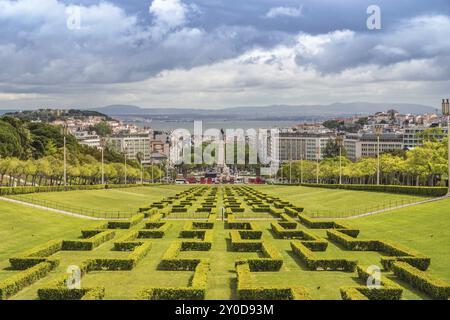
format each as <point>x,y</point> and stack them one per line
<point>412,136</point>
<point>366,144</point>
<point>88,139</point>
<point>132,144</point>
<point>296,146</point>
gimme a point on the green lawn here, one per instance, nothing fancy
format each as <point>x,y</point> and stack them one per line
<point>329,203</point>
<point>22,228</point>
<point>110,200</point>
<point>425,228</point>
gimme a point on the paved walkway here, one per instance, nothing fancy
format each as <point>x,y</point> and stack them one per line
<point>50,209</point>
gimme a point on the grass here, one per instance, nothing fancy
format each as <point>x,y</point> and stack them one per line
<point>425,228</point>
<point>22,228</point>
<point>329,203</point>
<point>110,200</point>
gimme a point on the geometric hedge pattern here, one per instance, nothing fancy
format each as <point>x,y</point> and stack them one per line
<point>250,245</point>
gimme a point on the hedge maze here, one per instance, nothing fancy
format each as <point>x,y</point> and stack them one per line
<point>230,242</point>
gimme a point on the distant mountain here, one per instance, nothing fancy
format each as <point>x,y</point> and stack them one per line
<point>274,112</point>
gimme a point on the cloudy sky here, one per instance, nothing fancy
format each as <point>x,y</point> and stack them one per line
<point>219,53</point>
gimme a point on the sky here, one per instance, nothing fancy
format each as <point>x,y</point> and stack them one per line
<point>222,53</point>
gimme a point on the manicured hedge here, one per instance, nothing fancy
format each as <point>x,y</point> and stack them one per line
<point>29,189</point>
<point>126,224</point>
<point>170,260</point>
<point>196,290</point>
<point>394,251</point>
<point>388,290</point>
<point>247,291</point>
<point>435,288</point>
<point>12,285</point>
<point>314,263</point>
<point>365,293</point>
<point>243,245</point>
<point>35,255</point>
<point>88,244</point>
<point>411,190</point>
<point>113,264</point>
<point>154,233</point>
<point>64,293</point>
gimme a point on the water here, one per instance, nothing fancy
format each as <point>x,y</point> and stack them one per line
<point>161,125</point>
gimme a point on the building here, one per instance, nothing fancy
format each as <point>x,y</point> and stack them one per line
<point>88,139</point>
<point>298,145</point>
<point>131,145</point>
<point>412,136</point>
<point>366,144</point>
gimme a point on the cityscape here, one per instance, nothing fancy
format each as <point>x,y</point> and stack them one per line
<point>221,156</point>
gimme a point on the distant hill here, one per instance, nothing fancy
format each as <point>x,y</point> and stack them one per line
<point>274,112</point>
<point>50,115</point>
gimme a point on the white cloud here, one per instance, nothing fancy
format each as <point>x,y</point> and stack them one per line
<point>284,12</point>
<point>169,15</point>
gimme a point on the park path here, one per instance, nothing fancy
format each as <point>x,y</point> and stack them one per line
<point>392,208</point>
<point>50,209</point>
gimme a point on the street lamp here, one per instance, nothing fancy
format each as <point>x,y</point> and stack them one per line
<point>446,113</point>
<point>125,168</point>
<point>65,155</point>
<point>317,165</point>
<point>103,165</point>
<point>378,131</point>
<point>302,151</point>
<point>290,163</point>
<point>340,143</point>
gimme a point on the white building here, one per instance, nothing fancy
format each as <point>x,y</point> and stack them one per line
<point>307,146</point>
<point>88,139</point>
<point>366,145</point>
<point>412,136</point>
<point>131,145</point>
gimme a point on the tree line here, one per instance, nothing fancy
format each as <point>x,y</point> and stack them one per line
<point>31,153</point>
<point>421,166</point>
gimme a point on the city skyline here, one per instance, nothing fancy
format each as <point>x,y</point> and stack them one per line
<point>194,53</point>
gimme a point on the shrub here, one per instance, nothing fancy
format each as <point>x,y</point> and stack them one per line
<point>112,264</point>
<point>247,291</point>
<point>435,288</point>
<point>88,244</point>
<point>170,260</point>
<point>314,263</point>
<point>411,190</point>
<point>35,255</point>
<point>155,233</point>
<point>196,290</point>
<point>64,293</point>
<point>126,224</point>
<point>36,189</point>
<point>12,285</point>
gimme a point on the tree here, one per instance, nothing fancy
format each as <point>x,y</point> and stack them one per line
<point>332,150</point>
<point>333,124</point>
<point>102,128</point>
<point>10,142</point>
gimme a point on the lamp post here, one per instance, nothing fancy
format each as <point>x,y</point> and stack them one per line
<point>65,155</point>
<point>301,163</point>
<point>103,165</point>
<point>153,179</point>
<point>142,173</point>
<point>290,164</point>
<point>340,143</point>
<point>378,132</point>
<point>125,168</point>
<point>446,113</point>
<point>317,163</point>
